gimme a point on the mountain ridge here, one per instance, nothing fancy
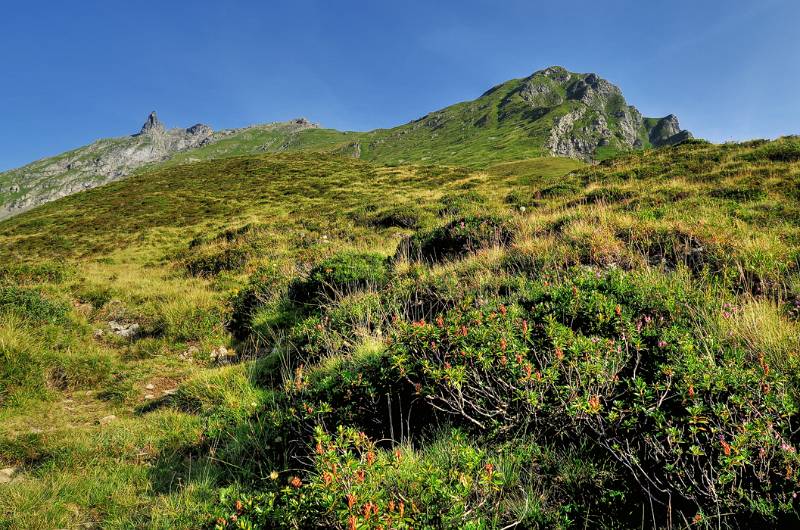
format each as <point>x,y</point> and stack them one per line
<point>553,112</point>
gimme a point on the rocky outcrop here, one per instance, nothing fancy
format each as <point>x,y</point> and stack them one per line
<point>96,164</point>
<point>588,113</point>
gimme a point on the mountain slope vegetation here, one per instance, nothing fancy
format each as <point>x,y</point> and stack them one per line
<point>552,112</point>
<point>304,339</point>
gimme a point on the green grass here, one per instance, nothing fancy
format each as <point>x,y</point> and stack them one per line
<point>686,256</point>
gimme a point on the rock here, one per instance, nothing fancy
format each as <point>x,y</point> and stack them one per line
<point>107,419</point>
<point>7,474</point>
<point>152,126</point>
<point>150,387</point>
<point>221,354</point>
<point>149,396</point>
<point>98,333</point>
<point>127,331</point>
<point>170,391</point>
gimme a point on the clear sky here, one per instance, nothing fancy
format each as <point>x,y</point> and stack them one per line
<point>73,72</point>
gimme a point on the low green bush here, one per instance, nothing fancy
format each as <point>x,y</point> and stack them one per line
<point>341,273</point>
<point>461,203</point>
<point>267,284</point>
<point>457,238</point>
<point>614,357</point>
<point>32,305</point>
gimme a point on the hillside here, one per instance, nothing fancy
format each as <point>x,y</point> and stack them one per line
<point>302,339</point>
<point>550,113</point>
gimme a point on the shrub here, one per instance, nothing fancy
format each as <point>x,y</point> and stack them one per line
<point>450,481</point>
<point>615,358</point>
<point>739,193</point>
<point>32,305</point>
<point>406,216</point>
<point>457,238</point>
<point>265,285</point>
<point>211,261</point>
<point>33,273</point>
<point>341,273</point>
<point>461,203</point>
<point>781,150</point>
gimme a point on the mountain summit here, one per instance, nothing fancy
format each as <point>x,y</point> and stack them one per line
<point>553,112</point>
<point>152,125</point>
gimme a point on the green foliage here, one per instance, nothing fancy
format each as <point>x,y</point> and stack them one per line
<point>458,238</point>
<point>32,305</point>
<point>265,285</point>
<point>449,482</point>
<point>341,273</point>
<point>782,150</point>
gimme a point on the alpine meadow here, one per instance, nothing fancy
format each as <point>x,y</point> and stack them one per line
<point>535,309</point>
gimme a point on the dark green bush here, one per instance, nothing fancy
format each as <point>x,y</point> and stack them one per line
<point>607,195</point>
<point>781,150</point>
<point>461,203</point>
<point>265,285</point>
<point>340,274</point>
<point>33,273</point>
<point>614,358</point>
<point>212,261</point>
<point>32,305</point>
<point>406,216</point>
<point>457,238</point>
<point>739,193</point>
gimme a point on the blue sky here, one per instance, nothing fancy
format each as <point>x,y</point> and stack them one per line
<point>73,72</point>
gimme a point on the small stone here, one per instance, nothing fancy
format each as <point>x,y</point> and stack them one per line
<point>149,396</point>
<point>151,386</point>
<point>107,419</point>
<point>170,391</point>
<point>7,474</point>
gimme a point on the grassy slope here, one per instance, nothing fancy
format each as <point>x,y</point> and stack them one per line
<point>124,250</point>
<point>120,243</point>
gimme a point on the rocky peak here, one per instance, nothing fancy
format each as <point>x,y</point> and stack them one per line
<point>667,131</point>
<point>152,125</point>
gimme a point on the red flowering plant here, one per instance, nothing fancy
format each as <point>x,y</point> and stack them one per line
<point>615,357</point>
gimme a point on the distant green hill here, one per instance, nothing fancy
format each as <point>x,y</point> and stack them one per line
<point>552,112</point>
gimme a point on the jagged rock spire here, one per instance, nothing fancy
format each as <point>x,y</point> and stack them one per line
<point>152,125</point>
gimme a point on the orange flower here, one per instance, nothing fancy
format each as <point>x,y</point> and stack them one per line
<point>296,482</point>
<point>370,458</point>
<point>391,505</point>
<point>352,522</point>
<point>503,360</point>
<point>319,448</point>
<point>401,508</point>
<point>524,327</point>
<point>397,454</point>
<point>503,310</point>
<point>440,321</point>
<point>691,391</point>
<point>559,353</point>
<point>503,344</point>
<point>618,310</point>
<point>360,475</point>
<point>594,404</point>
<point>726,447</point>
<point>463,331</point>
<point>351,500</point>
<point>239,506</point>
<point>489,467</point>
